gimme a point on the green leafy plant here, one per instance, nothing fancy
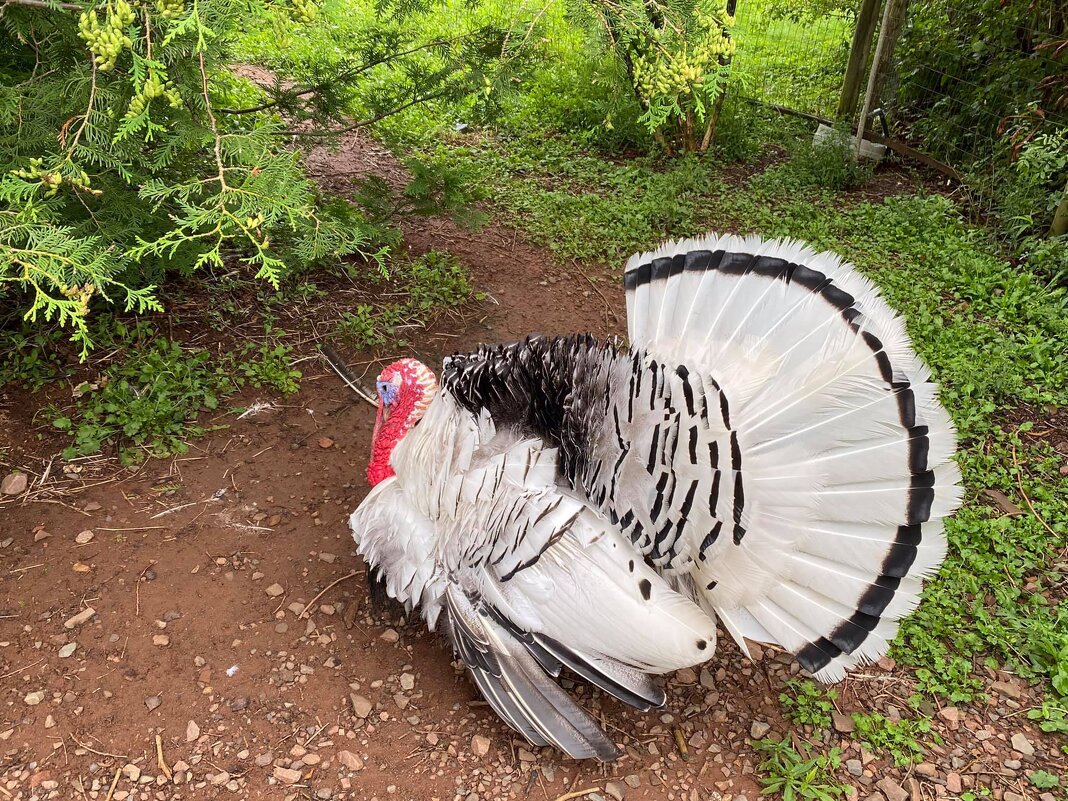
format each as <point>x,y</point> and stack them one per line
<point>796,774</point>
<point>808,703</point>
<point>904,740</point>
<point>267,366</point>
<point>147,404</point>
<point>677,57</point>
<point>1043,780</point>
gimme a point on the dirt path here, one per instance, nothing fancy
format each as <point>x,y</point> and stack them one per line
<point>183,620</point>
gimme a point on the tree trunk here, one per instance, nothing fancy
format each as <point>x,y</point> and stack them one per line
<point>1060,217</point>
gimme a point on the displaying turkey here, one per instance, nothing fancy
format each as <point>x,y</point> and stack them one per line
<point>769,452</point>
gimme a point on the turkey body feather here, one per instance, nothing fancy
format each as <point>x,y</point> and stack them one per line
<point>769,451</point>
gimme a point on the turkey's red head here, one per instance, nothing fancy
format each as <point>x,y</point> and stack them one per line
<point>405,390</point>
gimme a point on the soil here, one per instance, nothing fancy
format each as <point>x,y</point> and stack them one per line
<point>212,638</point>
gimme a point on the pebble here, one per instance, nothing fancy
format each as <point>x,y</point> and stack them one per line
<point>953,783</point>
<point>407,681</point>
<point>1020,743</point>
<point>361,706</point>
<point>326,442</point>
<point>131,771</point>
<point>389,635</point>
<point>67,650</point>
<point>274,590</point>
<point>854,767</point>
<point>192,731</point>
<point>892,790</point>
<point>615,789</point>
<point>329,558</point>
<point>161,640</point>
<point>14,484</point>
<point>263,760</point>
<point>34,698</point>
<point>84,538</point>
<point>350,760</point>
<point>82,617</point>
<point>632,780</point>
<point>287,775</point>
<point>152,702</point>
<point>843,723</point>
<point>759,729</point>
<point>480,745</point>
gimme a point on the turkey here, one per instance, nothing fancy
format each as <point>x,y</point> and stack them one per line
<point>769,453</point>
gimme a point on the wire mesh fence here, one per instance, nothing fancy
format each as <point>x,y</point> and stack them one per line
<point>967,83</point>
<point>792,57</point>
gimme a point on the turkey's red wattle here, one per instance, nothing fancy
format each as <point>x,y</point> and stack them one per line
<point>416,387</point>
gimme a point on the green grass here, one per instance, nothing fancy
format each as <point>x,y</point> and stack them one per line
<point>798,775</point>
<point>906,741</point>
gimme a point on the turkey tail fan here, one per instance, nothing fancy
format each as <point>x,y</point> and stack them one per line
<point>840,453</point>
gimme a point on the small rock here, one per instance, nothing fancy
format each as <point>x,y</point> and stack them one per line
<point>892,790</point>
<point>855,767</point>
<point>220,779</point>
<point>326,442</point>
<point>92,506</point>
<point>361,706</point>
<point>480,745</point>
<point>40,535</point>
<point>50,722</point>
<point>953,783</point>
<point>161,640</point>
<point>263,760</point>
<point>350,760</point>
<point>82,617</point>
<point>152,702</point>
<point>1007,688</point>
<point>67,650</point>
<point>1020,743</point>
<point>34,698</point>
<point>274,590</point>
<point>686,676</point>
<point>131,771</point>
<point>1011,796</point>
<point>329,558</point>
<point>13,484</point>
<point>192,731</point>
<point>84,538</point>
<point>707,680</point>
<point>407,681</point>
<point>389,635</point>
<point>239,704</point>
<point>287,775</point>
<point>759,729</point>
<point>615,789</point>
<point>843,723</point>
<point>927,769</point>
<point>632,780</point>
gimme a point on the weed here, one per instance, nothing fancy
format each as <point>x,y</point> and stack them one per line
<point>268,366</point>
<point>434,281</point>
<point>147,404</point>
<point>807,703</point>
<point>797,775</point>
<point>30,358</point>
<point>1043,780</point>
<point>904,740</point>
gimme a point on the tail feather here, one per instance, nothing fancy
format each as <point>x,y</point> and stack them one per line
<point>845,452</point>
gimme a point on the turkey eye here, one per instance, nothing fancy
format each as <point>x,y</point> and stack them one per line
<point>387,392</point>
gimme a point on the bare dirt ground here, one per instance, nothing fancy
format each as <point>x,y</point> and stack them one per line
<point>211,638</point>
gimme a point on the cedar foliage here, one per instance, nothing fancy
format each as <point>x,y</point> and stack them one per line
<point>129,147</point>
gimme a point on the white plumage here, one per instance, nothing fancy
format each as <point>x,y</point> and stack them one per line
<point>769,452</point>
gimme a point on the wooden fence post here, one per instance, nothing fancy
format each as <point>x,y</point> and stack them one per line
<point>867,17</point>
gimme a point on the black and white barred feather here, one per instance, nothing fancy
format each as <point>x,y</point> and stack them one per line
<point>771,443</point>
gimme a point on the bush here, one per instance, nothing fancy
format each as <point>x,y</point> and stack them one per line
<point>168,161</point>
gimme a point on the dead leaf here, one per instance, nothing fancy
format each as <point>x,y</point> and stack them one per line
<point>1003,502</point>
